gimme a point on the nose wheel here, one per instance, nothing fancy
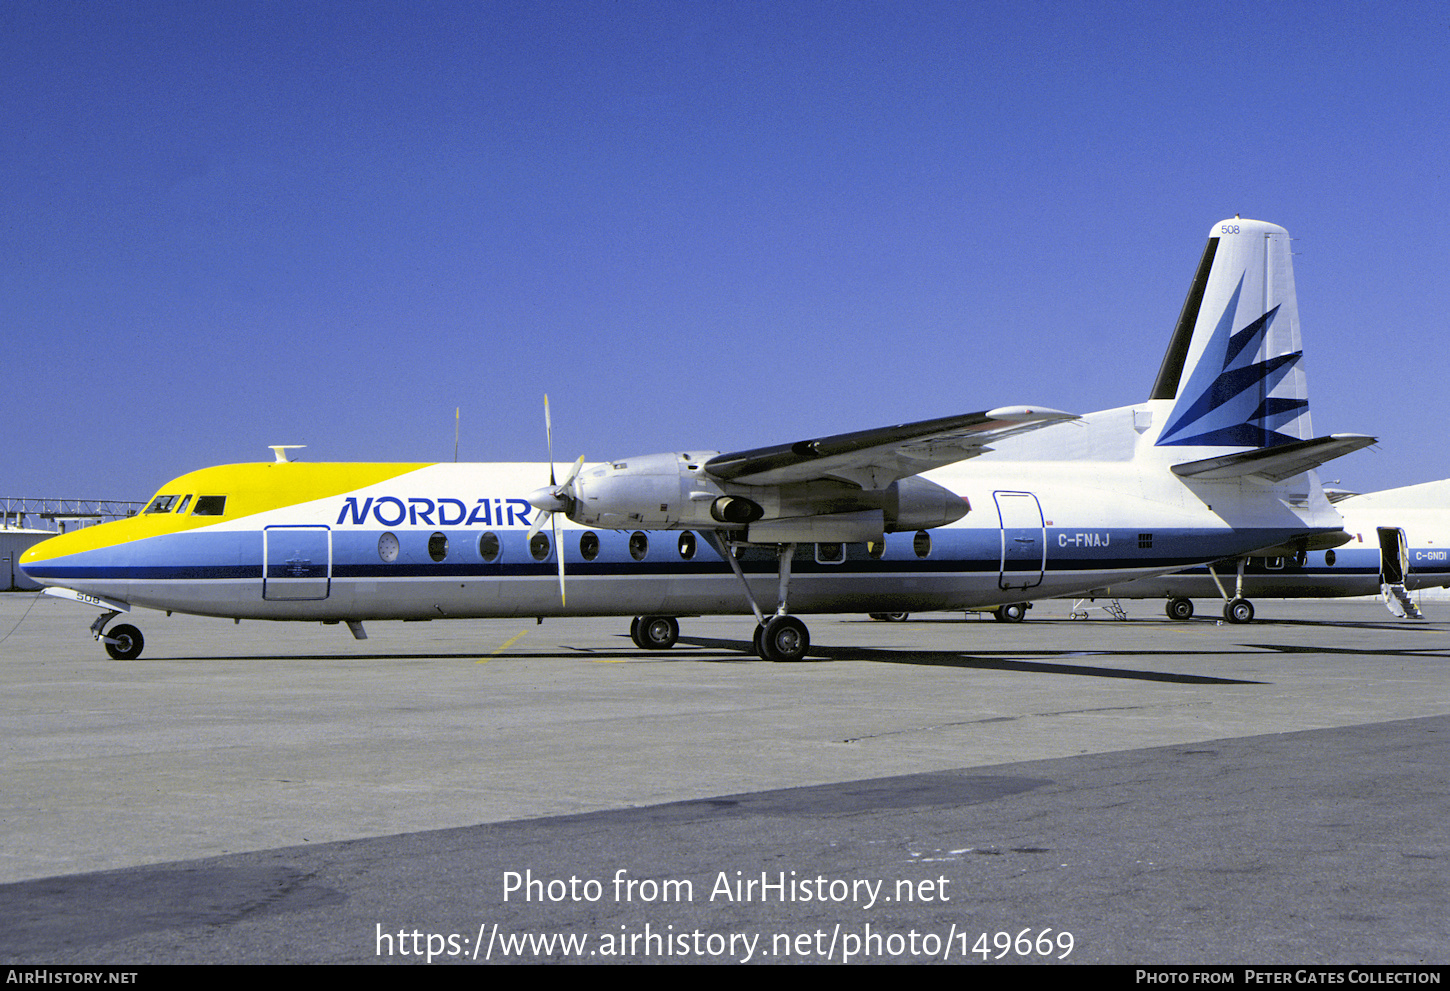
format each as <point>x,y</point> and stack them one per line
<point>124,642</point>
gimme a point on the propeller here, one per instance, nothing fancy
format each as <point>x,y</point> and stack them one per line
<point>554,499</point>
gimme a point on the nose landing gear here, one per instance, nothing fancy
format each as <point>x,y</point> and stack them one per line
<point>123,643</point>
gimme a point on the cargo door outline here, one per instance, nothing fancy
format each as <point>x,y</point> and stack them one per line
<point>1024,540</point>
<point>296,563</point>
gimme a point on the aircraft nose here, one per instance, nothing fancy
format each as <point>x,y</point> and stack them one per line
<point>33,561</point>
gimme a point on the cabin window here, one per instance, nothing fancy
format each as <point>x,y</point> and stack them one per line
<point>875,548</point>
<point>161,504</point>
<point>638,545</point>
<point>1329,559</point>
<point>388,548</point>
<point>437,547</point>
<point>921,543</point>
<point>687,546</point>
<point>210,506</point>
<point>589,545</point>
<point>539,547</point>
<point>488,547</point>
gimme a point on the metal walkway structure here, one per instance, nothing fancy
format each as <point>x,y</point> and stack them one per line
<point>53,514</point>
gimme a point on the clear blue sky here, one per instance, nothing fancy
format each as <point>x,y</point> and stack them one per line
<point>695,225</point>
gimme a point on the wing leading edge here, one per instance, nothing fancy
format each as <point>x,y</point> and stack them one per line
<point>875,458</point>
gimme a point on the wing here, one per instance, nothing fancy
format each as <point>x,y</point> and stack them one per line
<point>873,459</point>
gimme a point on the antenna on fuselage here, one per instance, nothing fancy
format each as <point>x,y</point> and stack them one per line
<point>280,450</point>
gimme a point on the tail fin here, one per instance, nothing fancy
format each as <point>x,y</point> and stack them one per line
<point>1232,367</point>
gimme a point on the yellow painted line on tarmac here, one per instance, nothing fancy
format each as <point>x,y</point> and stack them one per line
<point>506,645</point>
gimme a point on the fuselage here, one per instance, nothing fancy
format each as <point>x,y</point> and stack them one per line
<point>1394,535</point>
<point>317,541</point>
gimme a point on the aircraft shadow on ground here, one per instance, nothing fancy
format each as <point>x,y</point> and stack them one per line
<point>740,652</point>
<point>1010,662</point>
<point>715,650</point>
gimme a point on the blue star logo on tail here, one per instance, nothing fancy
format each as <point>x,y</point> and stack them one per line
<point>1227,402</point>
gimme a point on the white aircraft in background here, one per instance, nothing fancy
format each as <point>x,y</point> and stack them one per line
<point>997,507</point>
<point>1399,541</point>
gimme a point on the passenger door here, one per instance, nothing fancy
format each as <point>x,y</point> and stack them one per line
<point>1024,540</point>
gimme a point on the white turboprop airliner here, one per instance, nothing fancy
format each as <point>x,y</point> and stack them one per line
<point>998,507</point>
<point>1399,541</point>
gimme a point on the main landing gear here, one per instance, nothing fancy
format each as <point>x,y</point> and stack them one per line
<point>1236,609</point>
<point>780,637</point>
<point>654,632</point>
<point>1012,612</point>
<point>1179,608</point>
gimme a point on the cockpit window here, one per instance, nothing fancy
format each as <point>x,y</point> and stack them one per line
<point>161,504</point>
<point>210,506</point>
<point>184,503</point>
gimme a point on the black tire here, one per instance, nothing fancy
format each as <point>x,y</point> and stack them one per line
<point>1013,612</point>
<point>129,642</point>
<point>1239,611</point>
<point>1179,608</point>
<point>784,638</point>
<point>890,617</point>
<point>658,632</point>
<point>634,633</point>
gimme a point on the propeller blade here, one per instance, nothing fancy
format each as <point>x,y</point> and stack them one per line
<point>549,434</point>
<point>559,553</point>
<point>556,497</point>
<point>574,471</point>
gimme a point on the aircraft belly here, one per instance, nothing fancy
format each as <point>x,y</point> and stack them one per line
<point>1255,586</point>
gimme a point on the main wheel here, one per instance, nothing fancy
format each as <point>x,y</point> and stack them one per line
<point>658,632</point>
<point>1179,608</point>
<point>1239,611</point>
<point>784,638</point>
<point>1013,612</point>
<point>128,642</point>
<point>890,617</point>
<point>634,633</point>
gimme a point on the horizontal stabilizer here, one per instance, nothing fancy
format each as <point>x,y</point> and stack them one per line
<point>1276,463</point>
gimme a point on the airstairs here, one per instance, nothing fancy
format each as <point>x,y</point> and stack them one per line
<point>1398,601</point>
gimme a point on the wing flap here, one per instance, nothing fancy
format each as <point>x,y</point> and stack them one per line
<point>876,458</point>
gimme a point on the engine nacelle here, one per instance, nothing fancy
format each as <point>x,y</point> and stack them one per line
<point>674,492</point>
